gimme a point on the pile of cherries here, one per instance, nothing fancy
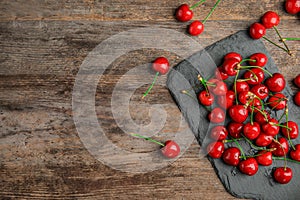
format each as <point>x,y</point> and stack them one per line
<point>250,102</point>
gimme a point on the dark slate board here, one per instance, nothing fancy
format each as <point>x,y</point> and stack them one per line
<point>184,75</point>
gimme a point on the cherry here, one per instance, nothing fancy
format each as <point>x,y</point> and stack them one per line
<point>235,129</point>
<point>215,149</point>
<point>255,105</point>
<point>184,13</point>
<point>241,86</point>
<point>217,115</point>
<point>171,149</point>
<point>277,101</point>
<point>276,83</point>
<point>297,81</point>
<point>260,91</point>
<point>297,99</point>
<point>260,118</point>
<point>270,19</point>
<point>227,100</point>
<point>219,133</point>
<point>220,74</point>
<point>264,158</point>
<point>283,175</point>
<point>255,76</point>
<point>238,113</point>
<point>248,166</point>
<point>161,65</point>
<point>295,154</point>
<point>231,156</point>
<point>245,97</point>
<point>293,132</point>
<point>270,127</point>
<point>230,66</point>
<point>218,88</point>
<point>251,130</point>
<point>263,140</point>
<point>233,55</point>
<point>292,6</point>
<point>260,59</point>
<point>206,98</point>
<point>257,30</point>
<point>196,28</point>
<point>281,147</point>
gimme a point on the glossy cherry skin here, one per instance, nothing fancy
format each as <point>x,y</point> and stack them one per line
<point>269,128</point>
<point>297,81</point>
<point>220,74</point>
<point>217,115</point>
<point>215,149</point>
<point>292,6</point>
<point>281,149</point>
<point>260,59</point>
<point>293,133</point>
<point>196,28</point>
<point>241,86</point>
<point>219,88</point>
<point>230,66</point>
<point>255,75</point>
<point>226,101</point>
<point>234,55</point>
<point>283,175</point>
<point>254,105</point>
<point>244,97</point>
<point>260,118</point>
<point>205,98</point>
<point>295,154</point>
<point>183,13</point>
<point>263,140</point>
<point>260,90</point>
<point>161,65</point>
<point>248,166</point>
<point>251,131</point>
<point>219,133</point>
<point>264,158</point>
<point>235,129</point>
<point>277,101</point>
<point>171,149</point>
<point>297,99</point>
<point>238,113</point>
<point>257,30</point>
<point>276,83</point>
<point>270,19</point>
<point>231,156</point>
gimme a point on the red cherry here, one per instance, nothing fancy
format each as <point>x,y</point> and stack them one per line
<point>295,154</point>
<point>283,175</point>
<point>230,66</point>
<point>260,118</point>
<point>260,59</point>
<point>260,90</point>
<point>220,74</point>
<point>269,128</point>
<point>215,149</point>
<point>219,133</point>
<point>217,115</point>
<point>281,147</point>
<point>257,30</point>
<point>235,129</point>
<point>297,81</point>
<point>241,86</point>
<point>227,100</point>
<point>238,113</point>
<point>234,55</point>
<point>263,140</point>
<point>293,133</point>
<point>292,6</point>
<point>270,19</point>
<point>277,101</point>
<point>161,65</point>
<point>171,149</point>
<point>255,105</point>
<point>231,156</point>
<point>264,158</point>
<point>196,28</point>
<point>297,99</point>
<point>206,98</point>
<point>251,131</point>
<point>249,166</point>
<point>244,97</point>
<point>183,13</point>
<point>255,76</point>
<point>218,88</point>
<point>276,83</point>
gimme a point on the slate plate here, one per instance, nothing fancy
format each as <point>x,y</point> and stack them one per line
<point>261,185</point>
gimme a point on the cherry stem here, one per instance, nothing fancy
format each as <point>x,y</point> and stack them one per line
<point>227,141</point>
<point>197,4</point>
<point>203,82</point>
<point>245,60</point>
<point>249,67</point>
<point>288,130</point>
<point>147,138</point>
<point>235,91</point>
<point>188,94</point>
<point>252,145</point>
<point>151,86</point>
<point>251,116</point>
<point>285,159</point>
<point>287,48</point>
<point>276,45</point>
<point>289,39</point>
<point>263,113</point>
<point>241,149</point>
<point>273,124</point>
<point>211,11</point>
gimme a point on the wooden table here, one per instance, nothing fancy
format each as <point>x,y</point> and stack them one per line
<point>42,46</point>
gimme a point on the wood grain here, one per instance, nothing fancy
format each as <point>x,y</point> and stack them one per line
<point>43,44</point>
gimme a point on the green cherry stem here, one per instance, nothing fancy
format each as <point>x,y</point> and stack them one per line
<point>227,141</point>
<point>276,45</point>
<point>211,11</point>
<point>288,159</point>
<point>246,60</point>
<point>241,149</point>
<point>288,130</point>
<point>287,48</point>
<point>249,67</point>
<point>188,94</point>
<point>289,39</point>
<point>147,138</point>
<point>151,86</point>
<point>235,91</point>
<point>252,145</point>
<point>285,158</point>
<point>197,4</point>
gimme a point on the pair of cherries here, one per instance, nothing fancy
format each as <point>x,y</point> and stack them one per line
<point>297,96</point>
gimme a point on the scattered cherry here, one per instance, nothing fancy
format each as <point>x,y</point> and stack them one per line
<point>297,99</point>
<point>255,76</point>
<point>226,101</point>
<point>242,86</point>
<point>238,113</point>
<point>295,154</point>
<point>248,166</point>
<point>206,98</point>
<point>257,30</point>
<point>260,59</point>
<point>218,88</point>
<point>184,13</point>
<point>278,101</point>
<point>219,133</point>
<point>196,28</point>
<point>290,130</point>
<point>260,91</point>
<point>281,147</point>
<point>297,81</point>
<point>220,74</point>
<point>276,83</point>
<point>217,115</point>
<point>215,149</point>
<point>283,175</point>
<point>264,158</point>
<point>270,128</point>
<point>230,66</point>
<point>263,140</point>
<point>251,130</point>
<point>233,55</point>
<point>270,19</point>
<point>262,117</point>
<point>171,149</point>
<point>235,129</point>
<point>292,6</point>
<point>231,156</point>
